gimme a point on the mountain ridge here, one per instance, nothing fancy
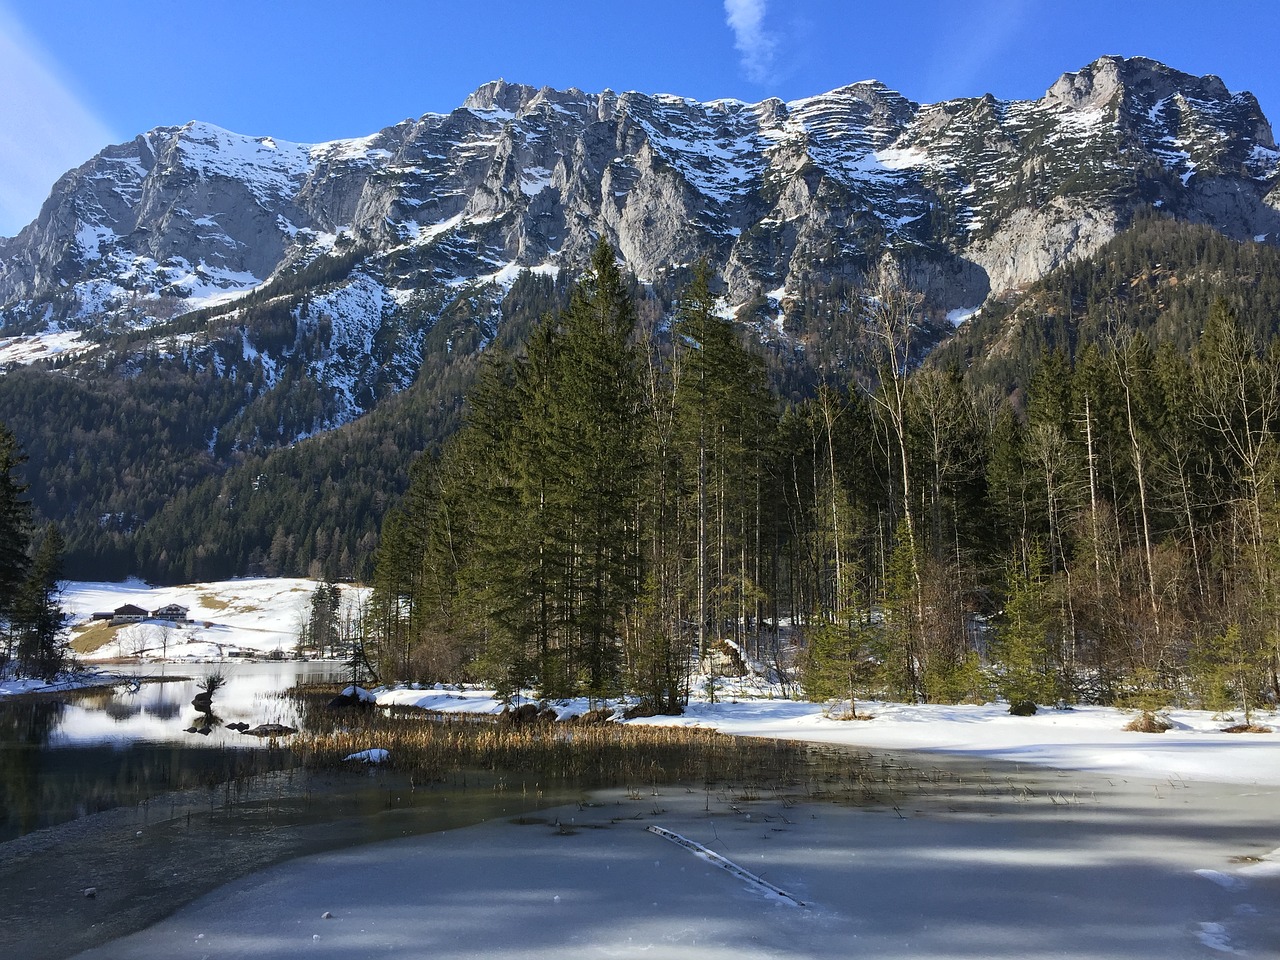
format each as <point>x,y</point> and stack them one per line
<point>140,216</point>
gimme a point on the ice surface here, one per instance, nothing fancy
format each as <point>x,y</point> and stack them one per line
<point>983,863</point>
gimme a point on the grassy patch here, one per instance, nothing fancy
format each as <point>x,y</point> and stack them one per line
<point>92,636</point>
<point>598,754</point>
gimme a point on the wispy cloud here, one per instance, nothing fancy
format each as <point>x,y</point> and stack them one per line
<point>44,129</point>
<point>756,46</point>
<point>985,34</point>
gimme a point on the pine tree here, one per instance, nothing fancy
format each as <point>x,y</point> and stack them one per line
<point>498,474</point>
<point>37,617</point>
<point>593,419</point>
<point>15,535</point>
<point>322,623</point>
<point>533,542</point>
<point>723,417</point>
<point>1022,649</point>
<point>833,665</point>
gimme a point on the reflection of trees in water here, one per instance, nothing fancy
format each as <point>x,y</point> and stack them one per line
<point>29,720</point>
<point>205,722</point>
<point>42,788</point>
<point>24,731</point>
<point>165,709</point>
<point>94,698</point>
<point>118,709</point>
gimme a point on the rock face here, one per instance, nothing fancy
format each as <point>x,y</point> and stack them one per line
<point>972,196</point>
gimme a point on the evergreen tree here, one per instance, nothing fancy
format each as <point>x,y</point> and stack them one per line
<point>1022,647</point>
<point>840,660</point>
<point>15,535</point>
<point>528,537</point>
<point>498,473</point>
<point>15,519</point>
<point>37,618</point>
<point>323,628</point>
<point>723,419</point>
<point>593,419</point>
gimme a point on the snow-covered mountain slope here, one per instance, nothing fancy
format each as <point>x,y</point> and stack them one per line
<point>978,195</point>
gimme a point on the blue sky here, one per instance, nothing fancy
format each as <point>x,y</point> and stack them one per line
<point>78,74</point>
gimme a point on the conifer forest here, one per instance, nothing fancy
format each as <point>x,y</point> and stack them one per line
<point>1091,516</point>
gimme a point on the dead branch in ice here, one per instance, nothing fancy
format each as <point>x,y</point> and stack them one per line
<point>723,863</point>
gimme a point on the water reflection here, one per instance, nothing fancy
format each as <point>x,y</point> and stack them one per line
<point>62,758</point>
<point>24,730</point>
<point>160,709</point>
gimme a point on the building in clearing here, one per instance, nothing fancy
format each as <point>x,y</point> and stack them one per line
<point>128,614</point>
<point>173,612</point>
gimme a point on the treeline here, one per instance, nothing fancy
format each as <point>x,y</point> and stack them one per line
<point>618,506</point>
<point>173,457</point>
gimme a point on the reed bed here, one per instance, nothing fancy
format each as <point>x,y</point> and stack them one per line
<point>440,747</point>
<point>596,755</point>
<point>588,754</point>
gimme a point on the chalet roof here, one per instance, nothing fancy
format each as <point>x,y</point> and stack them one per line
<point>129,610</point>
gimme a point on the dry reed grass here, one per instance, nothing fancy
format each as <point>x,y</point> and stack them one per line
<point>635,756</point>
<point>1148,722</point>
<point>590,754</point>
<point>597,755</point>
<point>1246,728</point>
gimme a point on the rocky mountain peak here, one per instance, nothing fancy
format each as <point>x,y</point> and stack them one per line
<point>500,95</point>
<point>875,94</point>
<point>1107,80</point>
<point>974,196</point>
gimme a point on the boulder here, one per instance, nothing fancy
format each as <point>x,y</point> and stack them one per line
<point>525,713</point>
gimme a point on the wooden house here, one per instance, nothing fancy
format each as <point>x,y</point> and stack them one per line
<point>173,612</point>
<point>129,613</point>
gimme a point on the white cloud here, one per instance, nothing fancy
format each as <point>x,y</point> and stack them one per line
<point>746,20</point>
<point>44,129</point>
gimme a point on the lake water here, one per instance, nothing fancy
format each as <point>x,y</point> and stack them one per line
<point>83,752</point>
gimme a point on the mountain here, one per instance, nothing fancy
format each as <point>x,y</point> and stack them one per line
<point>979,195</point>
<point>239,294</point>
